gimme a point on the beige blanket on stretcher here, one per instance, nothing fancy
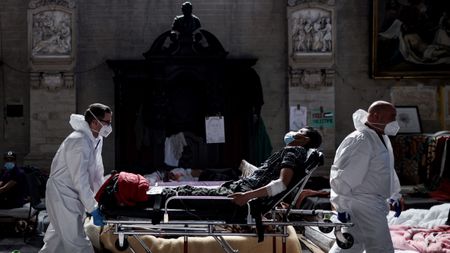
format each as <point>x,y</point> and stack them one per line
<point>205,244</point>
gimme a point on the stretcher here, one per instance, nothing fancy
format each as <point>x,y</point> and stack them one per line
<point>187,216</point>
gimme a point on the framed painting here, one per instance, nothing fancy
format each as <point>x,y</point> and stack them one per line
<point>409,120</point>
<point>446,104</point>
<point>410,39</point>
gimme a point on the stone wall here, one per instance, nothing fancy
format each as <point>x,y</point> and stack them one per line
<point>14,131</point>
<point>117,29</point>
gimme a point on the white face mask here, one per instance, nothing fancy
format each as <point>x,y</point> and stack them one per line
<point>390,128</point>
<point>9,165</point>
<point>289,137</point>
<point>105,130</point>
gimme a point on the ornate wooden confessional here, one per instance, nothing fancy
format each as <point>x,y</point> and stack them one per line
<point>181,81</point>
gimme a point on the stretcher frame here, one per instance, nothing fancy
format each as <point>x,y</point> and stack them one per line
<point>124,226</point>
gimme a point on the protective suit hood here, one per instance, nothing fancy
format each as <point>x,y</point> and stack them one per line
<point>79,124</point>
<point>360,119</point>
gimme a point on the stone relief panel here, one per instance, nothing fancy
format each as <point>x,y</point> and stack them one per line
<point>51,43</point>
<point>51,34</point>
<point>311,78</point>
<point>311,31</point>
<point>51,81</point>
<point>311,35</point>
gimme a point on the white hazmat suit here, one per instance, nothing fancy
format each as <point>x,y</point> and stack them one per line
<point>75,176</point>
<point>362,179</point>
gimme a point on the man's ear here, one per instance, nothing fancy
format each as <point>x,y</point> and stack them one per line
<point>373,117</point>
<point>93,124</point>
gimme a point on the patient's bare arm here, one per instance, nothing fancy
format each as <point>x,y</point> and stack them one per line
<point>241,198</point>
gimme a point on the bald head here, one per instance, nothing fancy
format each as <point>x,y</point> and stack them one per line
<point>380,106</point>
<point>380,114</point>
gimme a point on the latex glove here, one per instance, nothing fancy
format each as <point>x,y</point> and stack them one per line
<point>98,217</point>
<point>343,217</point>
<point>396,205</point>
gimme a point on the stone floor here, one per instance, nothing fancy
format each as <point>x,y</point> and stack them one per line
<point>7,245</point>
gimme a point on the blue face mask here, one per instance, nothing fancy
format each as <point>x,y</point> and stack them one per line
<point>289,137</point>
<point>9,165</point>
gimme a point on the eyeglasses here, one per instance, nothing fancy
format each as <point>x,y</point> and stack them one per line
<point>106,122</point>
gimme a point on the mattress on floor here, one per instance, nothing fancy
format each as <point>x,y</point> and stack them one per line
<point>19,213</point>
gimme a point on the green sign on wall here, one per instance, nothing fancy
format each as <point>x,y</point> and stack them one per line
<point>322,118</point>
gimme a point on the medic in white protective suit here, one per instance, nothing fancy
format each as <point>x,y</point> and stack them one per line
<point>363,179</point>
<point>75,176</point>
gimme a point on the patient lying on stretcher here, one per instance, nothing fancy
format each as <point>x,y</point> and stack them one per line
<point>279,172</point>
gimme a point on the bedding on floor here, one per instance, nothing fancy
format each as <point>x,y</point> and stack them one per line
<point>415,230</point>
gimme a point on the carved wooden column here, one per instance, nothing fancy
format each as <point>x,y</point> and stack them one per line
<point>311,41</point>
<point>51,46</point>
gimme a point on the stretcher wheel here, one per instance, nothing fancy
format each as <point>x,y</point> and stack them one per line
<point>121,248</point>
<point>348,244</point>
<point>326,230</point>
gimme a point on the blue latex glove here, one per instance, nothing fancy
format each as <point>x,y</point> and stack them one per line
<point>343,217</point>
<point>98,217</point>
<point>395,203</point>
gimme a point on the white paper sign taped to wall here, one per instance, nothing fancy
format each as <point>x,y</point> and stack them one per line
<point>297,117</point>
<point>215,129</point>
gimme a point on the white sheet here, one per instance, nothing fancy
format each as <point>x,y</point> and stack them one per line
<point>424,218</point>
<point>18,213</point>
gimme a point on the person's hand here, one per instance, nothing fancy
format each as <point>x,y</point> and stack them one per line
<point>239,198</point>
<point>396,206</point>
<point>98,217</point>
<point>343,217</point>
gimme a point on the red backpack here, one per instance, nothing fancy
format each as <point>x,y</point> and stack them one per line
<point>123,189</point>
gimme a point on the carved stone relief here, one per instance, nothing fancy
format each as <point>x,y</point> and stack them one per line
<point>311,31</point>
<point>51,81</point>
<point>311,35</point>
<point>51,43</point>
<point>51,34</point>
<point>51,37</point>
<point>311,78</point>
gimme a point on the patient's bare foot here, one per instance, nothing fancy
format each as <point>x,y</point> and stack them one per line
<point>246,168</point>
